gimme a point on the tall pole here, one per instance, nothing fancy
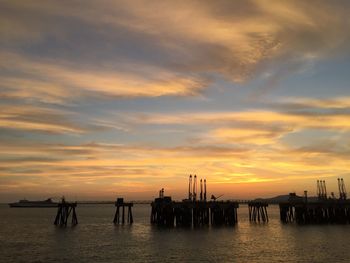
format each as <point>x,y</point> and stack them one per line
<point>343,189</point>
<point>190,188</point>
<point>205,190</point>
<point>340,189</point>
<point>201,195</point>
<point>195,188</point>
<point>325,189</point>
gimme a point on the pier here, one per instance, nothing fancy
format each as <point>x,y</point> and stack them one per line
<point>166,212</point>
<point>63,212</point>
<point>325,210</point>
<point>197,211</point>
<point>192,211</point>
<point>121,205</point>
<point>258,211</point>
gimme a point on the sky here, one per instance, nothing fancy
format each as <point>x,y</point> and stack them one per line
<point>100,99</point>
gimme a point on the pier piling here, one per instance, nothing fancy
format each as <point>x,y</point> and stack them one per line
<point>193,212</point>
<point>258,212</point>
<point>323,210</point>
<point>63,212</point>
<point>121,205</point>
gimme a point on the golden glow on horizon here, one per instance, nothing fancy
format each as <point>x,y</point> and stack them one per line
<point>101,166</point>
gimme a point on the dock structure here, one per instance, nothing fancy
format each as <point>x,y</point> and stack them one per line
<point>63,212</point>
<point>258,211</point>
<point>166,212</point>
<point>324,210</point>
<point>192,211</point>
<point>121,205</point>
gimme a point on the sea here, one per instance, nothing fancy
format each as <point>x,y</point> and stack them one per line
<point>28,235</point>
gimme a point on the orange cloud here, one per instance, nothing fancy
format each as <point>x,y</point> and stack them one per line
<point>300,103</point>
<point>244,136</point>
<point>32,118</point>
<point>62,80</point>
<point>262,120</point>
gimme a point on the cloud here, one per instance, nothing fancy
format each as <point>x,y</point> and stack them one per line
<point>242,147</point>
<point>244,136</point>
<point>101,165</point>
<point>97,166</point>
<point>336,103</point>
<point>176,48</point>
<point>233,38</point>
<point>258,119</point>
<point>257,130</point>
<point>62,81</point>
<point>16,88</point>
<point>37,119</point>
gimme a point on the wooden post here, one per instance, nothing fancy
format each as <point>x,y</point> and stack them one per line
<point>123,215</point>
<point>63,212</point>
<point>121,205</point>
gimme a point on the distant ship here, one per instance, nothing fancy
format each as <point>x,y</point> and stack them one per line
<point>26,203</point>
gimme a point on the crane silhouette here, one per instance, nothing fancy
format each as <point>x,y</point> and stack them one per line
<point>214,198</point>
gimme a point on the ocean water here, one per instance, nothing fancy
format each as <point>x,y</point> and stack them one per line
<point>28,235</point>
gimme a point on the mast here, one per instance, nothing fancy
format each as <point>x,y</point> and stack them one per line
<point>190,188</point>
<point>195,188</point>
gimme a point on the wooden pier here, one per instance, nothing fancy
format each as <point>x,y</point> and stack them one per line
<point>195,211</point>
<point>258,212</point>
<point>63,213</point>
<point>120,205</point>
<point>166,212</point>
<point>318,212</point>
<point>324,210</point>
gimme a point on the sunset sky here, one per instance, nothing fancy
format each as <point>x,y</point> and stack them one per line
<point>100,99</point>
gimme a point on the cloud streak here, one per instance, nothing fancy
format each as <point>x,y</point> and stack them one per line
<point>255,119</point>
<point>63,80</point>
<point>37,119</point>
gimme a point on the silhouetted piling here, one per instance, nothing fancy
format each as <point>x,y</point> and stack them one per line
<point>120,205</point>
<point>323,210</point>
<point>166,212</point>
<point>258,211</point>
<point>192,211</point>
<point>63,212</point>
<point>319,212</point>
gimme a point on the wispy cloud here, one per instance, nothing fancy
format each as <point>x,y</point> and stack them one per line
<point>57,81</point>
<point>302,103</point>
<point>31,118</point>
<point>255,119</point>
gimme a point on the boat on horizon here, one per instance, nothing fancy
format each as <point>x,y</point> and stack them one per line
<point>26,203</point>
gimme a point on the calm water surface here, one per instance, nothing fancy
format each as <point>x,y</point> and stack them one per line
<point>28,235</point>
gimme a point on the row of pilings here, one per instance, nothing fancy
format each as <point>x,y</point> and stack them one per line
<point>188,213</point>
<point>119,216</point>
<point>258,211</point>
<point>323,210</point>
<point>65,209</point>
<point>318,212</point>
